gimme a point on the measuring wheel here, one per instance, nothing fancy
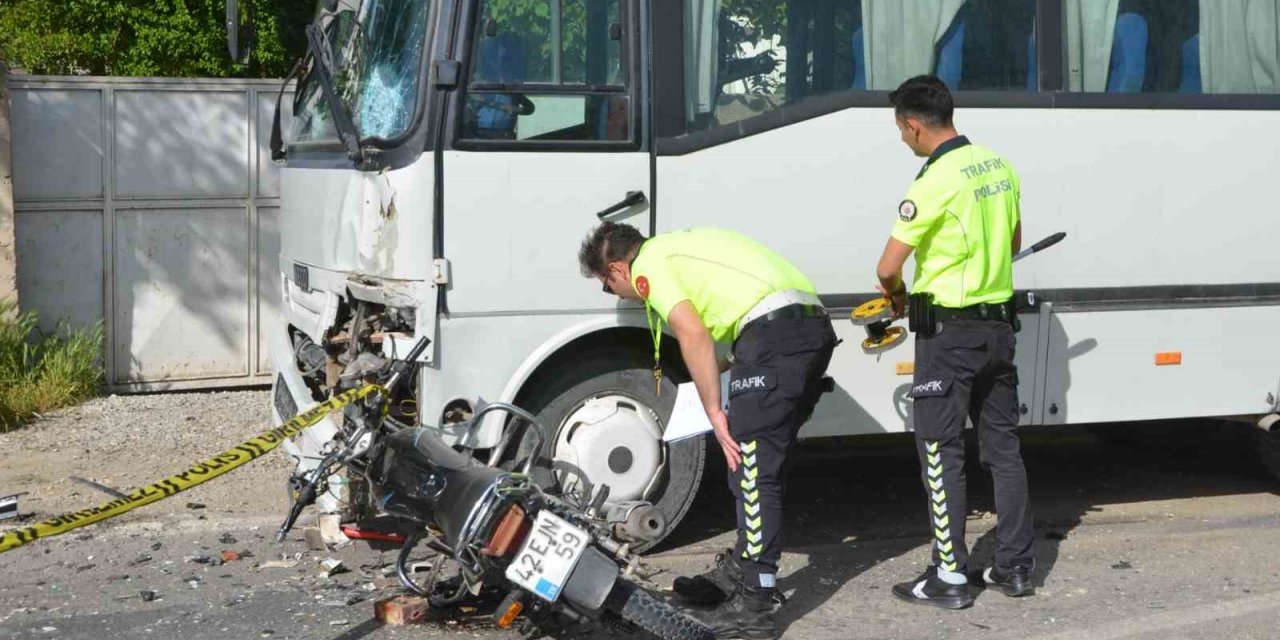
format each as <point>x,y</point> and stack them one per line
<point>877,316</point>
<point>881,337</point>
<point>872,311</point>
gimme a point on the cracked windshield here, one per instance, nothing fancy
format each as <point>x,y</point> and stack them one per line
<point>376,50</point>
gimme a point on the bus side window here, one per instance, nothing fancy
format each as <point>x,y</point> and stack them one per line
<point>742,61</point>
<point>1173,46</point>
<point>549,70</point>
<point>989,46</point>
<point>499,60</point>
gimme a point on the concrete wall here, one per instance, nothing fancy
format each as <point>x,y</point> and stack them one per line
<point>8,257</point>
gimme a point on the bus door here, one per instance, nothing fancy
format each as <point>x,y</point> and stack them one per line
<point>546,134</point>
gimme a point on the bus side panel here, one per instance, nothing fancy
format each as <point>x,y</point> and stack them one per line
<point>1101,366</point>
<point>489,358</point>
<point>1121,182</point>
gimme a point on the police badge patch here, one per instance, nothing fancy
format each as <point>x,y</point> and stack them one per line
<point>907,211</point>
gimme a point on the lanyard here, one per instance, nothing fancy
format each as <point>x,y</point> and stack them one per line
<point>654,319</point>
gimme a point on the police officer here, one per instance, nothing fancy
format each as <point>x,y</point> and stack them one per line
<point>712,285</point>
<point>961,217</point>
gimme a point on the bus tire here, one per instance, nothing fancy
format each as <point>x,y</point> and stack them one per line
<point>619,376</point>
<point>1268,447</point>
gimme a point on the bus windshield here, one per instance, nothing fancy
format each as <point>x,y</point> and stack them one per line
<point>375,49</point>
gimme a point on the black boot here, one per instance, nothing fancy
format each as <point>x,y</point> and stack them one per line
<point>746,615</point>
<point>931,590</point>
<point>714,586</point>
<point>1015,582</point>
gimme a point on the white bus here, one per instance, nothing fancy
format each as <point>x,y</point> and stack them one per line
<point>446,157</point>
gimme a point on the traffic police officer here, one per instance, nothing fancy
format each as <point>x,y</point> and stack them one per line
<point>714,285</point>
<point>961,217</point>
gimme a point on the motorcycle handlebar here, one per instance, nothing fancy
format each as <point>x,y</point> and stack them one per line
<point>400,367</point>
<point>305,497</point>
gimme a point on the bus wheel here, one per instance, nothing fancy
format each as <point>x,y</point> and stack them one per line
<point>1269,449</point>
<point>605,419</point>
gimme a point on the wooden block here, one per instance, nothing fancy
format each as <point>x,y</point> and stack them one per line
<point>906,368</point>
<point>401,610</point>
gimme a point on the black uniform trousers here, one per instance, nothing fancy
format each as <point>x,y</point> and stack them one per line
<point>774,384</point>
<point>966,370</point>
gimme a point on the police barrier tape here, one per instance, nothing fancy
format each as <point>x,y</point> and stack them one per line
<point>228,460</point>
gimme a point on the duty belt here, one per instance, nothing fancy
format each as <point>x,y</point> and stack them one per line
<point>1002,311</point>
<point>789,303</point>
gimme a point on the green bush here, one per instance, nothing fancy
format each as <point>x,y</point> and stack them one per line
<point>170,38</point>
<point>42,371</point>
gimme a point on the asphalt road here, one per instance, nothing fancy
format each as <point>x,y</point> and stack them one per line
<point>1161,531</point>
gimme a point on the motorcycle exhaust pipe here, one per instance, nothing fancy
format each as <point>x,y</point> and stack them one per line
<point>643,524</point>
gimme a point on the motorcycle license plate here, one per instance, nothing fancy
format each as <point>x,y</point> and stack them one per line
<point>549,554</point>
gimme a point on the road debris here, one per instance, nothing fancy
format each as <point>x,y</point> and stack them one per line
<point>280,563</point>
<point>9,506</point>
<point>400,610</point>
<point>330,525</point>
<point>331,567</point>
<point>99,486</point>
<point>315,542</point>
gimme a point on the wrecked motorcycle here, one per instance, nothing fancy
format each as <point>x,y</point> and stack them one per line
<point>557,563</point>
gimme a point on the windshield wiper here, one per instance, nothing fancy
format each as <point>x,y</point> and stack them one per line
<point>321,55</point>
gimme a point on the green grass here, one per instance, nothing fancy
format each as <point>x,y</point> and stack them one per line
<point>42,371</point>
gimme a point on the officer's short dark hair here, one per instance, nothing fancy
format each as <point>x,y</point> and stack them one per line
<point>609,242</point>
<point>925,98</point>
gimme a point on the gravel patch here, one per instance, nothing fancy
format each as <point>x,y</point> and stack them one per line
<point>125,442</point>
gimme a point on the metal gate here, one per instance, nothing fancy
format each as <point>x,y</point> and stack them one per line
<point>151,205</point>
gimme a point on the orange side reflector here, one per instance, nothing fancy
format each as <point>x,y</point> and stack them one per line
<point>510,616</point>
<point>1168,358</point>
<point>906,368</point>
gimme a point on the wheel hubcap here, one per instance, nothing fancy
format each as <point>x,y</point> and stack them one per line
<point>613,440</point>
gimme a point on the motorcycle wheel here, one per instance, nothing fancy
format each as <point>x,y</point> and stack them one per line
<point>658,618</point>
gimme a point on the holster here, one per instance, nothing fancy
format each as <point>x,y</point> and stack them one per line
<point>921,319</point>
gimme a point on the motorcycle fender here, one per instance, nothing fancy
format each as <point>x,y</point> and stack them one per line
<point>592,580</point>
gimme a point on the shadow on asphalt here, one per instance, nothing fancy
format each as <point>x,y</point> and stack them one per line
<point>854,503</point>
<point>362,630</point>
